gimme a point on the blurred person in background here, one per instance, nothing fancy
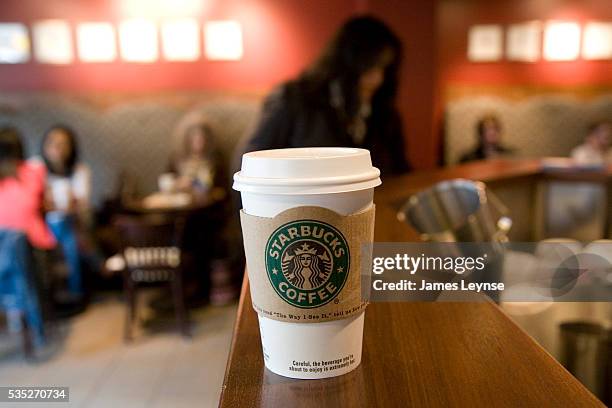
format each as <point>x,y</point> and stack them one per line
<point>67,199</point>
<point>22,186</point>
<point>197,166</point>
<point>595,150</point>
<point>346,98</point>
<point>489,145</point>
<point>577,204</point>
<point>200,170</point>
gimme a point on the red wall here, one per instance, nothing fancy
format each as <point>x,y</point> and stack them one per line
<point>456,16</point>
<point>414,23</point>
<point>280,38</point>
<point>283,36</point>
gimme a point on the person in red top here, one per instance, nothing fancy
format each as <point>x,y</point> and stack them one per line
<point>22,185</point>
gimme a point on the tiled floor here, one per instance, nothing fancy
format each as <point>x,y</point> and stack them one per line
<point>159,369</point>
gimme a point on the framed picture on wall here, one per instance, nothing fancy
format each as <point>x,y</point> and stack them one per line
<point>14,43</point>
<point>523,41</point>
<point>485,43</point>
<point>223,40</point>
<point>138,40</point>
<point>96,42</point>
<point>561,41</point>
<point>52,42</point>
<point>597,41</point>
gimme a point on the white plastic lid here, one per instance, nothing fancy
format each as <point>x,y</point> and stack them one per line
<point>311,170</point>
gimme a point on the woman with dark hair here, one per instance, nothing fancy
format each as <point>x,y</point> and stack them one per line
<point>346,98</point>
<point>22,184</point>
<point>68,197</point>
<point>69,180</point>
<point>488,132</point>
<point>199,167</point>
<point>197,164</point>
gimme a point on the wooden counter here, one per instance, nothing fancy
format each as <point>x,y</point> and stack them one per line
<point>488,171</point>
<point>415,355</point>
<point>517,182</point>
<point>422,354</point>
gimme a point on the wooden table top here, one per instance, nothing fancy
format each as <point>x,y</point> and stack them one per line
<point>138,206</point>
<point>414,355</point>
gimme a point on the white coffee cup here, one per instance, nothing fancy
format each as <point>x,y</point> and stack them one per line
<point>166,183</point>
<point>339,179</point>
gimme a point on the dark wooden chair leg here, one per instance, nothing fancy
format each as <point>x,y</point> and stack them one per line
<point>182,317</point>
<point>130,298</point>
<point>28,346</point>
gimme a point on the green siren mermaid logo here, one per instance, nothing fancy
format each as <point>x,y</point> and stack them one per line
<point>307,262</point>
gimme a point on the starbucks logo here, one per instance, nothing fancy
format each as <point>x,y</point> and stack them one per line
<point>306,265</point>
<point>307,262</point>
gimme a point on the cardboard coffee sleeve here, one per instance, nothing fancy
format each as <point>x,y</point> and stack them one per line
<point>304,264</point>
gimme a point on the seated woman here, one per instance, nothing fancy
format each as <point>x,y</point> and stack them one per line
<point>489,133</point>
<point>67,197</point>
<point>200,167</point>
<point>22,185</point>
<point>594,150</point>
<point>197,166</point>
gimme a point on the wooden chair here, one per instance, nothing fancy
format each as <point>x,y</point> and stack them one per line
<point>151,246</point>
